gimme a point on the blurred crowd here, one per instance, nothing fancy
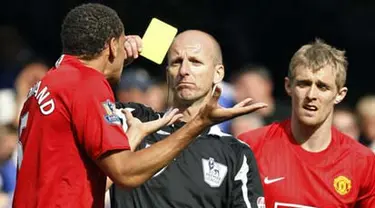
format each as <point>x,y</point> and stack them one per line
<point>20,69</point>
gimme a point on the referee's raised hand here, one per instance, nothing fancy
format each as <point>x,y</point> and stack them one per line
<point>212,113</point>
<point>133,47</point>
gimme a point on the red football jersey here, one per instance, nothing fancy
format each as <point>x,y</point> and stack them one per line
<point>67,123</point>
<point>343,175</point>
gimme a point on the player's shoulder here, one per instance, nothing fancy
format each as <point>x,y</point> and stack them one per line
<point>270,132</point>
<point>90,79</point>
<point>71,78</point>
<point>356,156</point>
<point>348,143</point>
<point>71,74</point>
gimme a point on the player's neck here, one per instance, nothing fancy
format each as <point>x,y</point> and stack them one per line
<point>312,138</point>
<point>96,64</point>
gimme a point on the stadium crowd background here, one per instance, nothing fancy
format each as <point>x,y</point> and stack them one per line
<point>258,38</point>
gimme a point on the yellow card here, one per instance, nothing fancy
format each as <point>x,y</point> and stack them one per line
<point>157,40</point>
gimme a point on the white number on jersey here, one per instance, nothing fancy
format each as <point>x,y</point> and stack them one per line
<point>288,205</point>
<point>22,126</point>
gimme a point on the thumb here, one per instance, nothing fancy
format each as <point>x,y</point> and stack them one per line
<point>216,94</point>
<point>128,116</point>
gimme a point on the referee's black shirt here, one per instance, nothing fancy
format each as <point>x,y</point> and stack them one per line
<point>215,171</point>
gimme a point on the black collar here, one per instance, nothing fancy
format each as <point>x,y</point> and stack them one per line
<point>177,125</point>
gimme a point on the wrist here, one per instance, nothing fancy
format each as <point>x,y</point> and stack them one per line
<point>145,133</point>
<point>198,121</point>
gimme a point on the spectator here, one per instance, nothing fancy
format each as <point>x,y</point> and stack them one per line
<point>157,96</point>
<point>7,105</point>
<point>345,120</point>
<point>366,112</point>
<point>11,100</point>
<point>14,53</point>
<point>133,85</point>
<point>226,100</point>
<point>255,81</point>
<point>8,141</point>
<point>25,80</point>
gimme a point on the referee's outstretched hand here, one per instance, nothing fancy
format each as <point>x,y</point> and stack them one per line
<point>137,130</point>
<point>212,113</point>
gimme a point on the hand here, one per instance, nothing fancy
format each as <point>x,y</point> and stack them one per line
<point>213,113</point>
<point>137,130</point>
<point>133,47</point>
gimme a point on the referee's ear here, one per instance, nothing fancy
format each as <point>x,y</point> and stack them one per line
<point>219,74</point>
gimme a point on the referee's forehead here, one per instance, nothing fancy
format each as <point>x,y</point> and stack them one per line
<point>190,45</point>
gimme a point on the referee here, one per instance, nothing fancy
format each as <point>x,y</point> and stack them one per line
<point>216,170</point>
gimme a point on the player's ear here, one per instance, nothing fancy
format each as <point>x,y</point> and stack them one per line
<point>113,47</point>
<point>341,95</point>
<point>287,85</point>
<point>219,74</point>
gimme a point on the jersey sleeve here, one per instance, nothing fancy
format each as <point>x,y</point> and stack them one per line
<point>97,127</point>
<point>367,193</point>
<point>247,186</point>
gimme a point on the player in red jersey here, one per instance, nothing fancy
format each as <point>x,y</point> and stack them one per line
<point>69,130</point>
<point>304,162</point>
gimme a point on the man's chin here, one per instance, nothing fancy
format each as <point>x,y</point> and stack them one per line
<point>310,121</point>
<point>185,96</point>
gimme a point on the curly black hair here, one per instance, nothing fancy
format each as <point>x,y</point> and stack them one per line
<point>87,28</point>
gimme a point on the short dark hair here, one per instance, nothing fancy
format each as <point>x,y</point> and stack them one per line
<point>87,28</point>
